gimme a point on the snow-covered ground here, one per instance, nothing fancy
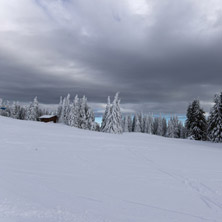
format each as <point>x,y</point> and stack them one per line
<point>55,173</point>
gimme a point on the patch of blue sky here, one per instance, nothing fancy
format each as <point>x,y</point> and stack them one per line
<point>181,117</point>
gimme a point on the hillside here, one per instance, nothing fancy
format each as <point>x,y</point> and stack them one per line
<point>55,173</point>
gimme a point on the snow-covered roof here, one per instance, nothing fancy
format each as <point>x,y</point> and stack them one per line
<point>46,116</point>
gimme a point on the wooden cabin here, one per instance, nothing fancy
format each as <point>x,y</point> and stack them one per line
<point>48,118</point>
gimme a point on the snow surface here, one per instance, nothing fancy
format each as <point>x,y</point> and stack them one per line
<point>56,173</point>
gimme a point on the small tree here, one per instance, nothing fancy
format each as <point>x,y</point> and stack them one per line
<point>215,120</point>
<point>113,119</point>
<point>196,123</point>
<point>173,128</point>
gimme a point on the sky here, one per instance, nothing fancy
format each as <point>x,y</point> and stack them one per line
<point>159,54</point>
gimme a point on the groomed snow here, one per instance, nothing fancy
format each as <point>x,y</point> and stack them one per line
<point>55,173</point>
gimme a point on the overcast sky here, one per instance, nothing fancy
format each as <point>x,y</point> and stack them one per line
<point>159,54</point>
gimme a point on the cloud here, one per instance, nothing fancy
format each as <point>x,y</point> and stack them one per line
<point>159,54</point>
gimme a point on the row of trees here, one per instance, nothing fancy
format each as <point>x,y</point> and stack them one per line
<point>113,122</point>
<point>23,112</point>
<point>201,128</point>
<point>154,125</point>
<point>77,113</point>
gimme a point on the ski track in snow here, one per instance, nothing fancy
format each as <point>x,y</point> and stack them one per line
<point>206,194</point>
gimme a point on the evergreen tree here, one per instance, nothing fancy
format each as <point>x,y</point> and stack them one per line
<point>15,110</point>
<point>164,127</point>
<point>125,124</point>
<point>113,122</point>
<point>105,116</point>
<point>130,124</point>
<point>155,125</point>
<point>136,123</point>
<point>196,123</point>
<point>215,120</point>
<point>182,130</point>
<point>140,117</point>
<point>82,113</point>
<point>32,111</point>
<point>160,126</point>
<point>173,128</point>
<point>145,124</point>
<point>150,124</point>
<point>74,119</point>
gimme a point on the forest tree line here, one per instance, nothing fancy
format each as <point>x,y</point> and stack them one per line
<point>77,113</point>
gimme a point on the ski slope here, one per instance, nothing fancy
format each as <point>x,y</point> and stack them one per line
<point>55,173</point>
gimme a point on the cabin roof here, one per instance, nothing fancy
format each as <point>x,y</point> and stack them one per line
<point>47,116</point>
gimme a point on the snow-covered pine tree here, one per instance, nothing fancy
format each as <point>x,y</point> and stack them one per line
<point>125,124</point>
<point>196,123</point>
<point>145,124</point>
<point>150,124</point>
<point>160,126</point>
<point>67,110</point>
<point>155,125</point>
<point>106,115</point>
<point>32,111</point>
<point>82,113</point>
<point>140,117</point>
<point>136,123</point>
<point>215,120</point>
<point>129,119</point>
<point>64,117</point>
<point>15,110</point>
<point>114,119</point>
<point>90,118</point>
<point>182,130</point>
<point>74,113</point>
<point>173,128</point>
<point>164,126</point>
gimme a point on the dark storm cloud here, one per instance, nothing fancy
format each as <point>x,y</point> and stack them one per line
<point>159,55</point>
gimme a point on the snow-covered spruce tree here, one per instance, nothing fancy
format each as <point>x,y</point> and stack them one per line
<point>32,111</point>
<point>74,119</point>
<point>164,126</point>
<point>196,123</point>
<point>173,128</point>
<point>90,119</point>
<point>136,124</point>
<point>82,113</point>
<point>114,118</point>
<point>15,110</point>
<point>125,124</point>
<point>215,120</point>
<point>66,110</point>
<point>140,117</point>
<point>64,117</point>
<point>155,125</point>
<point>106,115</point>
<point>182,130</point>
<point>145,124</point>
<point>160,126</point>
<point>129,119</point>
<point>150,124</point>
